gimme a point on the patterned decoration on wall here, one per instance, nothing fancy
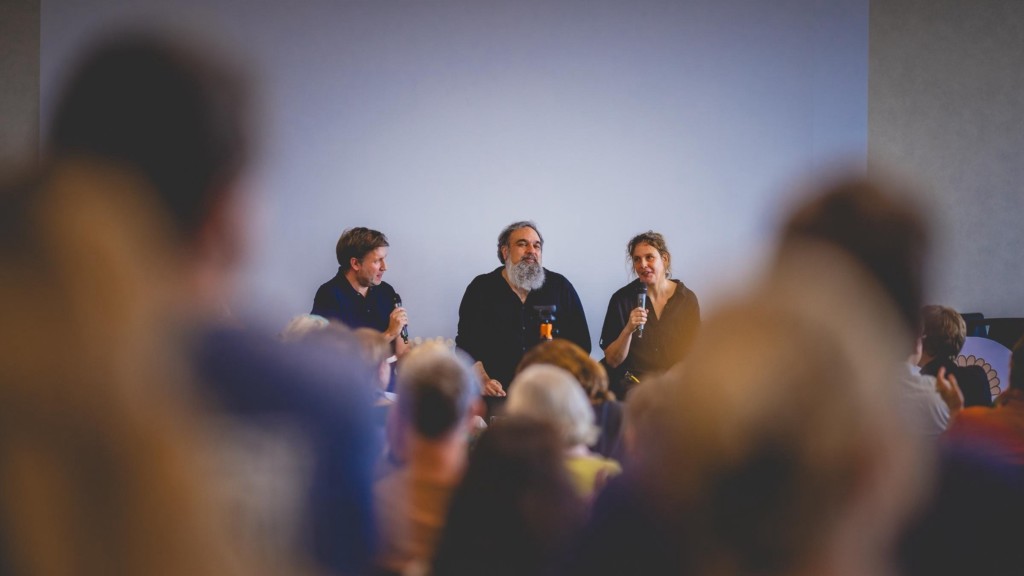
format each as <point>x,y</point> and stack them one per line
<point>993,376</point>
<point>993,357</point>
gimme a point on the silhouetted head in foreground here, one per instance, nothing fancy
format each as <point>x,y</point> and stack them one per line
<point>175,115</point>
<point>877,225</point>
<point>516,511</point>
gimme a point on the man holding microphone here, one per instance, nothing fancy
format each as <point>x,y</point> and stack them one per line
<point>357,295</point>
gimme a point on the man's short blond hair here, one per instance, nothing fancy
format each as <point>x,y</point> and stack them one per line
<point>943,331</point>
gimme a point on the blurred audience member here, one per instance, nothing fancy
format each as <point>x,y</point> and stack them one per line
<point>878,228</point>
<point>778,448</point>
<point>366,343</point>
<point>551,394</point>
<point>592,376</point>
<point>293,447</point>
<point>438,397</point>
<point>628,531</point>
<point>96,427</point>
<point>944,333</point>
<point>302,325</point>
<point>966,528</point>
<point>793,461</point>
<point>376,352</point>
<point>516,511</point>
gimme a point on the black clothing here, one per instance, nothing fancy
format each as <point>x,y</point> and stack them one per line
<point>666,339</point>
<point>966,525</point>
<point>496,328</point>
<point>336,299</point>
<point>630,532</point>
<point>608,417</point>
<point>972,380</point>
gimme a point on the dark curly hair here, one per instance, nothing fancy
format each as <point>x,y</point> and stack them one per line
<point>656,241</point>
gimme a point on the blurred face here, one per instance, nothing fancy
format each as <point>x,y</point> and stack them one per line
<point>370,270</point>
<point>523,245</point>
<point>648,264</point>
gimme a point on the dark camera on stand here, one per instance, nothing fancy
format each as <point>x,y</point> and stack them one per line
<point>547,320</point>
<point>546,313</point>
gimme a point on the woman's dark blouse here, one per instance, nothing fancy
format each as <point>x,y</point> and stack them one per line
<point>666,339</point>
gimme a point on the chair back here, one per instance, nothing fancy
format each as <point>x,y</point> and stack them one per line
<point>1006,331</point>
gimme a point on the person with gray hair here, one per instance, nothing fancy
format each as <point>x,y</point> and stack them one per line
<point>429,430</point>
<point>553,395</point>
<point>503,312</point>
<point>302,326</point>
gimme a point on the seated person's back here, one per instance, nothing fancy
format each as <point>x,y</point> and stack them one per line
<point>438,398</point>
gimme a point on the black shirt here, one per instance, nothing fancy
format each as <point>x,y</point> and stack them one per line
<point>666,339</point>
<point>497,328</point>
<point>336,299</point>
<point>972,380</point>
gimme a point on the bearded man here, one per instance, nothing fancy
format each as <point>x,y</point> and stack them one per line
<point>499,318</point>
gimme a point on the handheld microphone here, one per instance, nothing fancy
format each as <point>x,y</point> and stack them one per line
<point>641,302</point>
<point>405,329</point>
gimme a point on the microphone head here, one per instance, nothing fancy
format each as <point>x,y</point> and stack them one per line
<point>643,287</point>
<point>398,299</point>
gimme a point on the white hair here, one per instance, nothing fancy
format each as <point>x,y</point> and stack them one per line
<point>552,394</point>
<point>302,325</point>
<point>437,388</point>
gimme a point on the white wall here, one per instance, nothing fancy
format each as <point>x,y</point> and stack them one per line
<point>438,122</point>
<point>947,107</point>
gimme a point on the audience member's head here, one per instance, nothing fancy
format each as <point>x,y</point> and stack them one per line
<point>551,394</point>
<point>568,356</point>
<point>796,450</point>
<point>943,332</point>
<point>880,228</point>
<point>177,116</point>
<point>357,243</point>
<point>301,326</point>
<point>516,511</point>
<point>356,353</point>
<point>437,390</point>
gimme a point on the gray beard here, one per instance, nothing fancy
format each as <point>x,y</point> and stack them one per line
<point>525,276</point>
